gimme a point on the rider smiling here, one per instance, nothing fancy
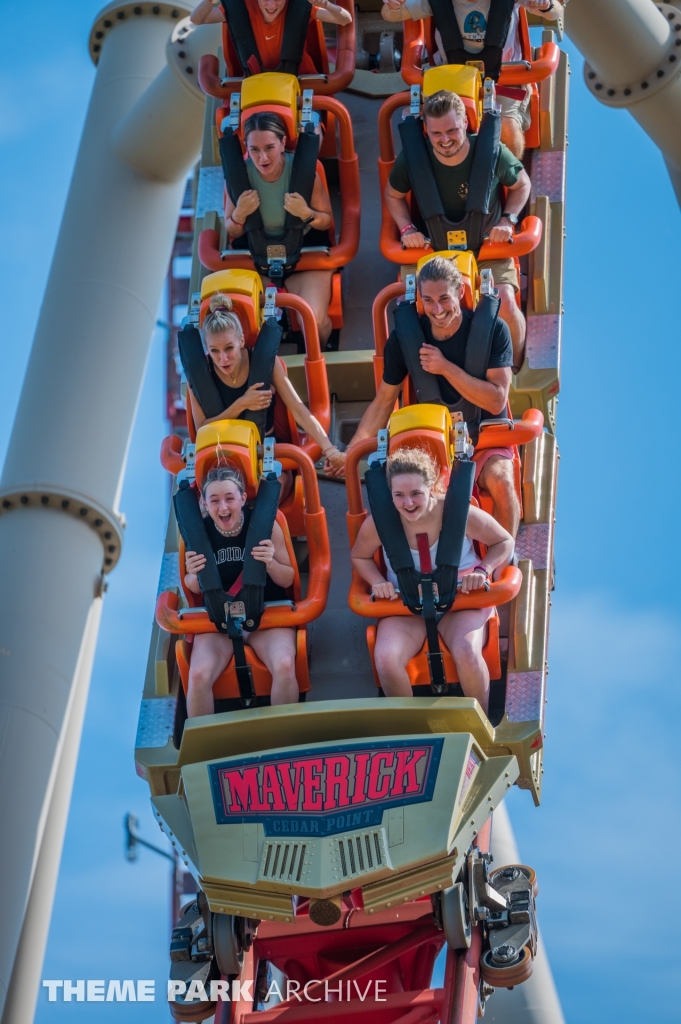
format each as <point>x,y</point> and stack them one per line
<point>413,477</point>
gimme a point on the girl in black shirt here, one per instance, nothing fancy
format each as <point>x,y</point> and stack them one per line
<point>224,498</point>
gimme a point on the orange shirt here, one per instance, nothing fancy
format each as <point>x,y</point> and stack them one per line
<point>270,37</point>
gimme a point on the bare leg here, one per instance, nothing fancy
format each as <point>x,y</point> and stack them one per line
<point>315,287</point>
<point>397,641</point>
<point>512,136</point>
<point>496,476</point>
<point>276,648</point>
<point>211,654</point>
<point>464,633</point>
<point>516,322</point>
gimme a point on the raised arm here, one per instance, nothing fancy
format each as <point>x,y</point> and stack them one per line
<point>332,13</point>
<point>207,13</point>
<point>549,10</point>
<point>378,413</point>
<point>304,418</point>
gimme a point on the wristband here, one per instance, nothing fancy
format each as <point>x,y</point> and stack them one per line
<point>407,227</point>
<point>234,221</point>
<point>481,568</point>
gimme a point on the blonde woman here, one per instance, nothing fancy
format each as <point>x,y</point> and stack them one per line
<point>229,363</point>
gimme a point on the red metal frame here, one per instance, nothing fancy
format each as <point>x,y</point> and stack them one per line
<point>323,85</point>
<point>348,242</point>
<point>397,948</point>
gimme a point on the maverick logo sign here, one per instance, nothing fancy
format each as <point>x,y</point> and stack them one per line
<point>322,792</point>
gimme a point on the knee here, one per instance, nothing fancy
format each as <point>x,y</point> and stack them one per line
<point>508,306</point>
<point>201,678</point>
<point>498,479</point>
<point>286,665</point>
<point>465,651</point>
<point>386,660</point>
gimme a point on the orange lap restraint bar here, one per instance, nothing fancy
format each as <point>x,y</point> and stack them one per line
<point>521,243</point>
<point>339,255</point>
<point>416,47</point>
<point>360,600</point>
<point>312,606</point>
<point>211,81</point>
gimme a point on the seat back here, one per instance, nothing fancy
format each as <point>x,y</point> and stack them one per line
<point>244,287</point>
<point>229,441</point>
<point>468,268</point>
<point>275,93</point>
<point>465,81</point>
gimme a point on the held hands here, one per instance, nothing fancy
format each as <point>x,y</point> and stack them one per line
<point>264,552</point>
<point>501,232</point>
<point>194,563</point>
<point>334,464</point>
<point>296,205</point>
<point>432,359</point>
<point>254,399</point>
<point>394,5</point>
<point>410,239</point>
<point>247,204</point>
<point>384,591</point>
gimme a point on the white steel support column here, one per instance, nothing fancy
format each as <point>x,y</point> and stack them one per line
<point>59,522</point>
<point>632,50</point>
<point>536,1000</point>
<point>25,981</point>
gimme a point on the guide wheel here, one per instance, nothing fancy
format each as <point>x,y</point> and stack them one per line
<point>229,955</point>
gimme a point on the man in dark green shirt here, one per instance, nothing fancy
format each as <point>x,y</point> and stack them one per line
<point>451,153</point>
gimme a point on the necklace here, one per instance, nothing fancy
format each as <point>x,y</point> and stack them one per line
<point>233,375</point>
<point>231,533</point>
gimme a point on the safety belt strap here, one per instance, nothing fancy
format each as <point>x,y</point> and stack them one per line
<point>436,664</point>
<point>242,35</point>
<point>236,613</point>
<point>295,34</point>
<point>197,372</point>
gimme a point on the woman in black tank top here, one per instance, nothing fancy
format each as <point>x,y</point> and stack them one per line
<point>229,362</point>
<point>224,497</point>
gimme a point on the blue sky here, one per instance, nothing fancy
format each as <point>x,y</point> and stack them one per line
<point>608,825</point>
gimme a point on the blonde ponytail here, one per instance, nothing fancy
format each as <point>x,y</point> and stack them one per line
<point>222,318</point>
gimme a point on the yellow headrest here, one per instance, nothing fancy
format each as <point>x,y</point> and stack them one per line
<point>465,261</point>
<point>243,282</point>
<point>271,88</point>
<point>420,417</point>
<point>462,79</point>
<point>232,433</point>
<point>468,266</point>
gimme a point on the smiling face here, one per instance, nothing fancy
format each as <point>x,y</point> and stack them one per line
<point>266,150</point>
<point>225,350</point>
<point>447,134</point>
<point>441,304</point>
<point>271,9</point>
<point>224,502</point>
<point>411,496</point>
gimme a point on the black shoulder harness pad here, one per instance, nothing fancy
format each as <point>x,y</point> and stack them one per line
<point>498,23</point>
<point>190,522</point>
<point>477,219</point>
<point>303,173</point>
<point>263,356</point>
<point>242,35</point>
<point>295,33</point>
<point>392,536</point>
<point>411,338</point>
<point>260,527</point>
<point>197,371</point>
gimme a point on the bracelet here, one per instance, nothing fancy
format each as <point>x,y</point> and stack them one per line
<point>332,448</point>
<point>235,222</point>
<point>481,568</point>
<point>407,227</point>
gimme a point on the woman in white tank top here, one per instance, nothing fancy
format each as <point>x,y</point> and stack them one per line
<point>412,476</point>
